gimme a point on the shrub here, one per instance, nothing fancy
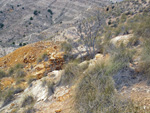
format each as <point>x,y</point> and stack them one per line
<point>28,100</point>
<point>50,85</point>
<point>95,90</point>
<point>120,57</point>
<point>11,71</point>
<point>13,43</point>
<point>145,58</point>
<point>143,27</point>
<point>30,110</point>
<point>72,72</point>
<point>20,44</point>
<point>19,73</point>
<point>30,80</point>
<point>42,57</point>
<point>24,43</point>
<point>19,80</point>
<point>123,18</point>
<point>18,90</point>
<point>2,74</point>
<point>19,66</point>
<point>1,25</point>
<point>50,11</point>
<point>142,30</point>
<point>66,47</point>
<point>36,12</point>
<point>7,96</point>
<point>31,18</point>
<point>95,93</point>
<point>29,24</point>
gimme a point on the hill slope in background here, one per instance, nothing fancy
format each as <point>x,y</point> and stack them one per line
<point>23,21</point>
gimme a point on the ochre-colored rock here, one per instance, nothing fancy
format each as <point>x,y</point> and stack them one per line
<point>58,111</point>
<point>39,67</point>
<point>99,56</point>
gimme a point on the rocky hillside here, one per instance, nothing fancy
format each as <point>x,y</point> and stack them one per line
<point>101,64</point>
<point>23,22</point>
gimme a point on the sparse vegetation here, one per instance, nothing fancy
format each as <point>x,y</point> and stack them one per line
<point>123,18</point>
<point>66,47</point>
<point>31,18</point>
<point>36,12</point>
<point>43,56</point>
<point>2,74</point>
<point>29,110</point>
<point>28,101</point>
<point>1,25</point>
<point>13,43</point>
<point>31,79</point>
<point>143,30</point>
<point>20,44</point>
<point>7,96</point>
<point>94,89</point>
<point>50,11</point>
<point>72,72</point>
<point>95,92</point>
<point>121,57</point>
<point>17,71</point>
<point>24,44</point>
<point>50,85</point>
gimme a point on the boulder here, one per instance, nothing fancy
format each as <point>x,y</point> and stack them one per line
<point>99,56</point>
<point>121,39</point>
<point>38,90</point>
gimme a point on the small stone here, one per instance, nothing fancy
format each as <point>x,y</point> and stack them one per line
<point>58,111</point>
<point>144,107</point>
